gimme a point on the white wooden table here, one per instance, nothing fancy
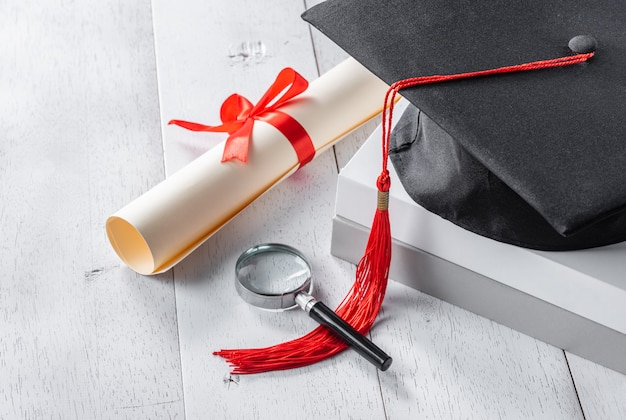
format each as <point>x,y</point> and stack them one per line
<point>86,89</point>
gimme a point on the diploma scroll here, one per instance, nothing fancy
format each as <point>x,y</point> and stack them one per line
<point>160,228</point>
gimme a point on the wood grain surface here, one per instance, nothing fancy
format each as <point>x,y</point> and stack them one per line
<point>86,91</point>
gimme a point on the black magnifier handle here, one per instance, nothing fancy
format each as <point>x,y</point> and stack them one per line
<point>327,317</point>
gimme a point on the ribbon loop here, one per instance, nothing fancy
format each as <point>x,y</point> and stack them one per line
<point>235,108</point>
<point>238,115</point>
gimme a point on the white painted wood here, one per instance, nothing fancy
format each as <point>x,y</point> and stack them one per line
<point>328,55</point>
<point>81,335</point>
<point>453,364</point>
<point>602,391</point>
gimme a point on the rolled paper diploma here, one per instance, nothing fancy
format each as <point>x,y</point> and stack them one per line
<point>160,228</point>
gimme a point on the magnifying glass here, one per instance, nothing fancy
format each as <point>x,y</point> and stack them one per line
<point>278,277</point>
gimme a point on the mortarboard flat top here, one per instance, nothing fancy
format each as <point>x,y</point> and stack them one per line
<point>534,158</point>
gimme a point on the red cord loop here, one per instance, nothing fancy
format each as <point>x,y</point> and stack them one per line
<point>384,181</point>
<point>393,90</point>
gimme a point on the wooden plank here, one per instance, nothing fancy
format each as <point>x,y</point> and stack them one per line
<point>82,336</point>
<point>602,391</point>
<point>328,55</point>
<point>451,363</point>
<point>197,70</point>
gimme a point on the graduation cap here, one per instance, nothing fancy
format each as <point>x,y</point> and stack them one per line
<point>532,158</point>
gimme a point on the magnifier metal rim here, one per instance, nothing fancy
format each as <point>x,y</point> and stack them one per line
<point>272,301</point>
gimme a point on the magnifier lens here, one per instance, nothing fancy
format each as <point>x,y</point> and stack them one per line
<point>273,272</point>
<point>270,276</point>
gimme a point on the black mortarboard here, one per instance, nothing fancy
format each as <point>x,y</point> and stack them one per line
<point>534,158</point>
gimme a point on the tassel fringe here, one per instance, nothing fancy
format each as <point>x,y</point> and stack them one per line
<point>359,308</point>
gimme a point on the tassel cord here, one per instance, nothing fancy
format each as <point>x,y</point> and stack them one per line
<point>362,303</point>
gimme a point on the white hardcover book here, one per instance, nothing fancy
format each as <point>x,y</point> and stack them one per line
<point>575,300</point>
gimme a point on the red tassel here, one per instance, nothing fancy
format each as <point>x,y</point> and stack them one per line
<point>359,309</point>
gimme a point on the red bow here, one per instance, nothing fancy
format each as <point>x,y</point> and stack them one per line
<point>238,115</point>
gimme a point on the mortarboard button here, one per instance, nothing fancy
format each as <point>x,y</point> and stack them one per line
<point>583,44</point>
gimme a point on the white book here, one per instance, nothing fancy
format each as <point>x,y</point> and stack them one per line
<point>583,293</point>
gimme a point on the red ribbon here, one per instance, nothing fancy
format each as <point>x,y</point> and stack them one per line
<point>238,115</point>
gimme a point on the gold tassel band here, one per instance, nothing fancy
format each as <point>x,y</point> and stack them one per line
<point>383,200</point>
